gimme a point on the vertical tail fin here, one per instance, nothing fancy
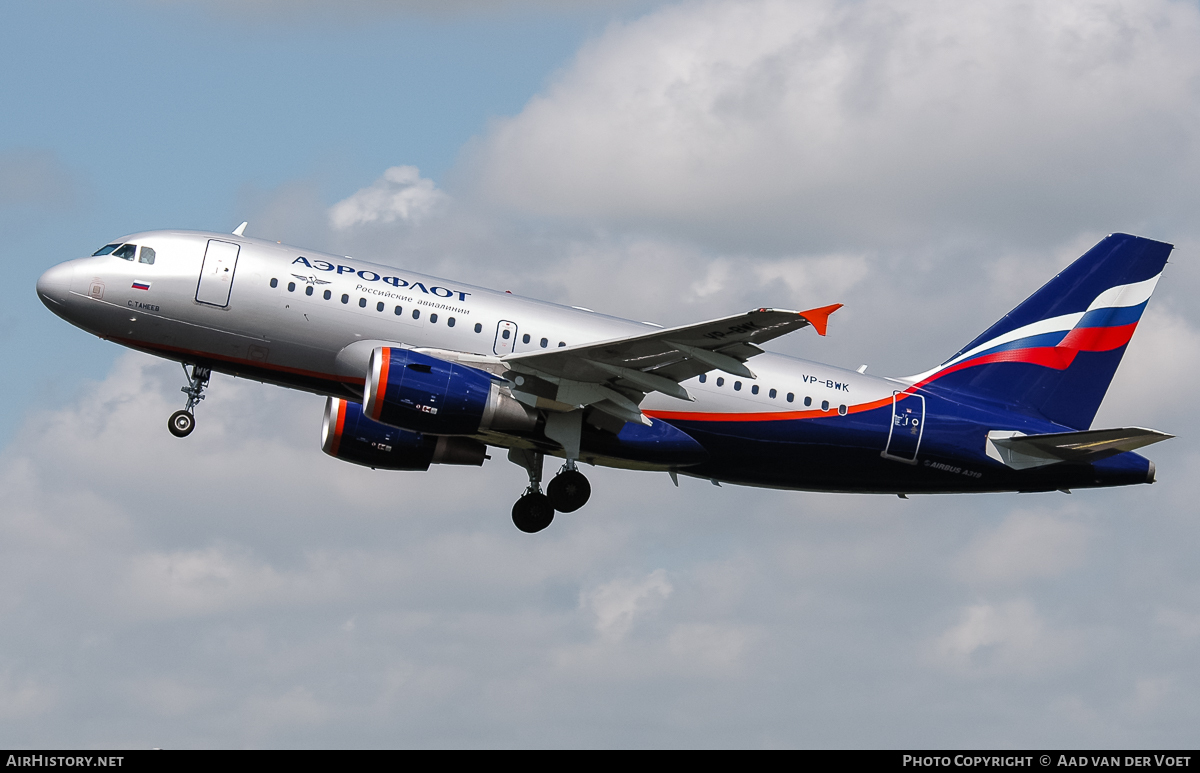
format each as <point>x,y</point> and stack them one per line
<point>1056,353</point>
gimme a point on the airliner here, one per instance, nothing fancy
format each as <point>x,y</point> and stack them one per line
<point>419,370</point>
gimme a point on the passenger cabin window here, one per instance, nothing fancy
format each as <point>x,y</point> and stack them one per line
<point>562,343</point>
<point>308,290</point>
<point>345,298</point>
<point>327,295</point>
<point>362,303</point>
<point>525,338</point>
<point>791,396</point>
<point>721,381</point>
<point>433,319</point>
<point>450,322</point>
<point>772,394</point>
<point>807,401</point>
<point>291,287</point>
<point>274,282</point>
<point>843,410</point>
<point>703,377</point>
<point>824,405</point>
<point>737,386</point>
<point>545,343</point>
<point>505,335</point>
<point>146,256</point>
<point>126,252</point>
<point>754,389</point>
<point>399,310</point>
<point>379,306</point>
<point>478,328</point>
<point>105,250</point>
<point>416,313</point>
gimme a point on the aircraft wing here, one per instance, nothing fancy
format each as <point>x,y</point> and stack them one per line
<point>614,375</point>
<point>1024,451</point>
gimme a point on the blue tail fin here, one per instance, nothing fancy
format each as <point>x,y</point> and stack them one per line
<point>1056,353</point>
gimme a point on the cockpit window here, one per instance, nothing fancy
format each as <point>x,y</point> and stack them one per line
<point>105,249</point>
<point>146,255</point>
<point>125,252</point>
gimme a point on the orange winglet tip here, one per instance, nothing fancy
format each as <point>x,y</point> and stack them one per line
<point>819,318</point>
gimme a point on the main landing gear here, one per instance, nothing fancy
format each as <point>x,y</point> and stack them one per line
<point>183,422</point>
<point>568,492</point>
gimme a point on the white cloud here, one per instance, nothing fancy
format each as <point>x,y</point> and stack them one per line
<point>712,646</point>
<point>400,194</point>
<point>1001,638</point>
<point>1149,694</point>
<point>1183,624</point>
<point>864,122</point>
<point>24,698</point>
<point>617,603</point>
<point>1026,545</point>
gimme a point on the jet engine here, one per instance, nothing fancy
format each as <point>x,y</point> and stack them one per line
<point>420,393</point>
<point>348,435</point>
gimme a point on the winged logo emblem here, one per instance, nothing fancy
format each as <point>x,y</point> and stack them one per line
<point>312,280</point>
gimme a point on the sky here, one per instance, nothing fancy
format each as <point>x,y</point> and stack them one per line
<point>927,163</point>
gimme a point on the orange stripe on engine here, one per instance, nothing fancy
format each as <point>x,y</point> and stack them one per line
<point>338,424</point>
<point>381,387</point>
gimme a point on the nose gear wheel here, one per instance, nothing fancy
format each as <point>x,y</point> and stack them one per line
<point>181,423</point>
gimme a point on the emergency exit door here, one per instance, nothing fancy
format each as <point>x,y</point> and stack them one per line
<point>216,274</point>
<point>506,337</point>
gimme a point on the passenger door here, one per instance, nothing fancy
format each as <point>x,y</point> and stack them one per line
<point>908,426</point>
<point>216,273</point>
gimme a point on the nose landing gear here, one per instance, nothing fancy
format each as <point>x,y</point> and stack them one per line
<point>183,422</point>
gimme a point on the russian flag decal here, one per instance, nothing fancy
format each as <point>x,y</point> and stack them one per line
<point>141,285</point>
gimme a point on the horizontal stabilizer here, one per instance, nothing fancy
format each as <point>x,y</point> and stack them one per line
<point>1021,451</point>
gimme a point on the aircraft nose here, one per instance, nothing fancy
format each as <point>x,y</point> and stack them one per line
<point>54,285</point>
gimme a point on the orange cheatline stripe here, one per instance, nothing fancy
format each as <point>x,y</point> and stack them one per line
<point>769,415</point>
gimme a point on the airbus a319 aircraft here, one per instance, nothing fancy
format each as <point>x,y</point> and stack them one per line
<point>419,370</point>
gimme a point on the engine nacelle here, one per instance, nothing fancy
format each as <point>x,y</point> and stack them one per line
<point>348,435</point>
<point>417,392</point>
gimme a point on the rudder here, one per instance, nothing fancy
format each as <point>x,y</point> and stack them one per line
<point>1055,354</point>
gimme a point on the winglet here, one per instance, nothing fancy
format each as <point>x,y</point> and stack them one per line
<point>241,229</point>
<point>819,318</point>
